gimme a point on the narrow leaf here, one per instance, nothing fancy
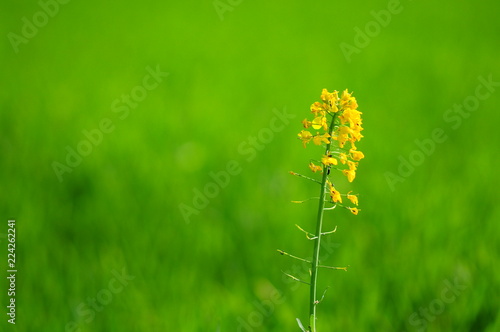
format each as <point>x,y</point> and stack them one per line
<point>300,325</point>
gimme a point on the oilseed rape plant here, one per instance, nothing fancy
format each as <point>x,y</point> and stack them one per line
<point>335,126</point>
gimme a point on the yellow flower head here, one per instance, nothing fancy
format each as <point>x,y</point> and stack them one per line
<point>356,155</point>
<point>327,161</point>
<point>320,122</point>
<point>356,135</point>
<point>351,174</point>
<point>352,165</point>
<point>343,158</point>
<point>353,104</point>
<point>343,135</point>
<point>315,168</point>
<point>346,96</point>
<point>334,194</point>
<point>335,95</point>
<point>318,139</point>
<point>325,95</point>
<point>317,108</point>
<point>352,198</point>
<point>354,210</point>
<point>347,101</point>
<point>351,117</point>
<point>337,117</point>
<point>305,136</point>
<point>330,100</point>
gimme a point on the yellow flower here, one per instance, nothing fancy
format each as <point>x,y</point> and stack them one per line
<point>354,210</point>
<point>306,123</point>
<point>334,193</point>
<point>356,155</point>
<point>355,122</point>
<point>343,158</point>
<point>319,122</point>
<point>352,165</point>
<point>356,135</point>
<point>348,101</point>
<point>305,136</point>
<point>350,116</point>
<point>327,161</point>
<point>318,139</point>
<point>343,135</point>
<point>330,100</point>
<point>315,168</point>
<point>346,96</point>
<point>350,173</point>
<point>325,95</point>
<point>353,104</point>
<point>334,95</point>
<point>352,198</point>
<point>317,108</point>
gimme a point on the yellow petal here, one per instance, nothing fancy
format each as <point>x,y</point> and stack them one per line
<point>317,123</point>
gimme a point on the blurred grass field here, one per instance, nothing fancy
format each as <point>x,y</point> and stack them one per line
<point>118,210</point>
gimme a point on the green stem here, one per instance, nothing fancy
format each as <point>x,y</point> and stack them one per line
<point>313,298</point>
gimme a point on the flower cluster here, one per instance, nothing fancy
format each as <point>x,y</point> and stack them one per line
<point>336,123</point>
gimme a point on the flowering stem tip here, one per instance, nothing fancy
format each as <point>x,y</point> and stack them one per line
<point>336,126</point>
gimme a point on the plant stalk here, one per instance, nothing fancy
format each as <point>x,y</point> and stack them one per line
<point>313,297</point>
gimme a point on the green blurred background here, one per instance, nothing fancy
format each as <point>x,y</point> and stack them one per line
<point>119,211</point>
